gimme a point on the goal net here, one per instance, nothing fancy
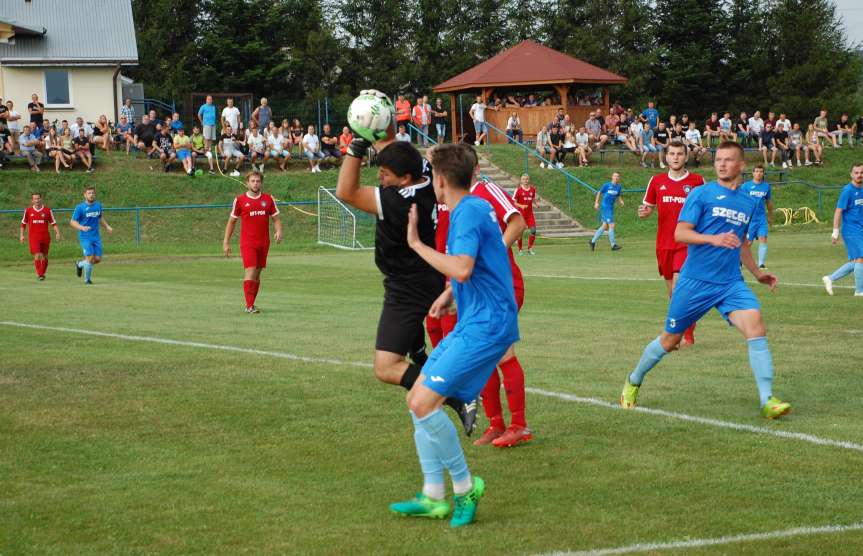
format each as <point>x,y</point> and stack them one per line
<point>342,226</point>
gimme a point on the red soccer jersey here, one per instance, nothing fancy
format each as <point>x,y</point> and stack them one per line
<point>668,196</point>
<point>504,208</point>
<point>442,228</point>
<point>38,222</point>
<point>254,213</point>
<point>526,197</point>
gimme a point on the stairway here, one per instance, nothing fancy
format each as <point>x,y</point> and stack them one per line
<point>550,221</point>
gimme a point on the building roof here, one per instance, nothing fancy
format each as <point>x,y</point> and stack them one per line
<point>529,63</point>
<point>64,32</point>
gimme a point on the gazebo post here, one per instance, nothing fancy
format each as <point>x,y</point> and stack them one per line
<point>605,99</point>
<point>563,90</point>
<point>452,113</point>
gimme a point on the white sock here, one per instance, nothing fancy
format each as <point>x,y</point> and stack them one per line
<point>464,486</point>
<point>435,492</point>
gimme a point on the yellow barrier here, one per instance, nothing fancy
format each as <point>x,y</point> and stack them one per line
<point>803,215</point>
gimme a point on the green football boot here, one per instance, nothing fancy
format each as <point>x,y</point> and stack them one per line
<point>421,506</point>
<point>465,505</point>
<point>629,396</point>
<point>775,408</point>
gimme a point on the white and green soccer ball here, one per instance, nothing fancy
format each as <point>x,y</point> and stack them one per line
<point>371,114</point>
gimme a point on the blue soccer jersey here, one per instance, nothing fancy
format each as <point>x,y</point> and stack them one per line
<point>851,204</point>
<point>610,193</point>
<point>486,303</point>
<point>88,215</point>
<point>760,191</point>
<point>714,209</point>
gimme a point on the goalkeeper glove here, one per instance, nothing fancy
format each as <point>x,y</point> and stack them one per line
<point>359,147</point>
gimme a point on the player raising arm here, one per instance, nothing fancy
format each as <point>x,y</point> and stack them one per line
<point>714,223</point>
<point>849,215</point>
<point>462,363</point>
<point>525,195</point>
<point>37,219</point>
<point>87,218</point>
<point>255,208</point>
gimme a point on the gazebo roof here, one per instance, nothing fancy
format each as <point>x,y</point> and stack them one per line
<point>529,63</point>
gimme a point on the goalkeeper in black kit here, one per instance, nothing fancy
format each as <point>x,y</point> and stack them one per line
<point>410,284</point>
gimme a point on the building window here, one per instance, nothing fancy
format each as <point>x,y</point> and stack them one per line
<point>57,87</point>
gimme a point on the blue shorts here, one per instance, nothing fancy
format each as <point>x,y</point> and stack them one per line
<point>651,148</point>
<point>854,246</point>
<point>606,215</point>
<point>757,229</point>
<point>183,154</point>
<point>480,127</point>
<point>459,368</point>
<point>692,299</point>
<point>91,247</point>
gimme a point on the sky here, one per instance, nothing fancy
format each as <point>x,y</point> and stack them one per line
<point>851,14</point>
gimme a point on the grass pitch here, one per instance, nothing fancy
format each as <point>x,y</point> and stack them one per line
<point>112,445</point>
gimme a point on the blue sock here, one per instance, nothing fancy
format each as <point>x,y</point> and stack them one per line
<point>842,271</point>
<point>858,277</point>
<point>430,463</point>
<point>652,355</point>
<point>611,237</point>
<point>762,367</point>
<point>597,235</point>
<point>88,270</point>
<point>443,438</point>
<point>762,253</point>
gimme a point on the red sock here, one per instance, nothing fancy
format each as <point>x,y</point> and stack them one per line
<point>256,286</point>
<point>530,241</point>
<point>435,332</point>
<point>689,334</point>
<point>248,290</point>
<point>513,385</point>
<point>447,323</point>
<point>519,244</point>
<point>44,266</point>
<point>37,264</point>
<point>491,401</point>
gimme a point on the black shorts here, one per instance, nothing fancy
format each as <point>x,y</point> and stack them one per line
<point>406,305</point>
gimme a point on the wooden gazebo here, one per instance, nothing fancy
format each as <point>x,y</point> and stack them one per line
<point>529,66</point>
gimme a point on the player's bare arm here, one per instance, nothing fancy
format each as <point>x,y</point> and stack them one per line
<point>457,267</point>
<point>229,231</point>
<point>837,222</point>
<point>442,304</point>
<point>685,233</point>
<point>105,225</point>
<point>515,228</point>
<point>277,225</point>
<point>596,201</point>
<point>645,210</point>
<point>769,204</point>
<point>79,227</point>
<point>56,231</point>
<point>766,278</point>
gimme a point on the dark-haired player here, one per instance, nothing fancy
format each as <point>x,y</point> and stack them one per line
<point>411,285</point>
<point>87,218</point>
<point>714,222</point>
<point>255,209</point>
<point>667,193</point>
<point>37,219</point>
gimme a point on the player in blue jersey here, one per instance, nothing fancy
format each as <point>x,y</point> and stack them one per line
<point>86,219</point>
<point>477,263</point>
<point>849,216</point>
<point>609,193</point>
<point>760,225</point>
<point>714,223</point>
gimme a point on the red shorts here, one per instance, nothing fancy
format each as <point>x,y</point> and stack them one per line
<point>519,295</point>
<point>40,245</point>
<point>530,220</point>
<point>670,261</point>
<point>254,256</point>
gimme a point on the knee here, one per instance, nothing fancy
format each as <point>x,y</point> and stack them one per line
<point>669,342</point>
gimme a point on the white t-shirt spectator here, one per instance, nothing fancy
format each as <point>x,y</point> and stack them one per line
<point>725,124</point>
<point>635,128</point>
<point>403,137</point>
<point>14,125</point>
<point>231,114</point>
<point>275,141</point>
<point>311,142</point>
<point>693,136</point>
<point>256,142</point>
<point>478,110</point>
<point>756,126</point>
<point>582,139</point>
<point>513,123</point>
<point>786,124</point>
<point>88,130</point>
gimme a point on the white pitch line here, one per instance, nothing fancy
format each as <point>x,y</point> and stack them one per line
<point>632,279</point>
<point>700,543</point>
<point>785,435</point>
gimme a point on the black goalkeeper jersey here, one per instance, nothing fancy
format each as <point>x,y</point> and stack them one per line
<point>392,255</point>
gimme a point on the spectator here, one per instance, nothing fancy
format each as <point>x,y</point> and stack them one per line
<point>345,139</point>
<point>176,124</point>
<point>646,141</point>
<point>692,139</point>
<point>531,101</point>
<point>124,134</point>
<point>786,123</point>
<point>145,135</point>
<point>594,127</point>
<point>28,142</point>
<point>610,124</point>
<point>403,111</point>
<point>79,125</point>
<point>766,143</point>
<point>257,147</point>
<point>13,119</point>
<point>620,130</point>
<point>439,114</point>
<point>780,139</point>
<point>36,110</point>
<point>822,128</point>
<point>582,143</point>
<point>711,129</point>
<point>330,143</point>
<point>54,150</point>
<point>155,121</point>
<point>5,141</point>
<point>566,126</point>
<point>557,139</point>
<point>771,119</point>
<point>102,133</point>
<point>813,145</point>
<point>229,149</point>
<point>661,140</point>
<point>168,124</point>
<point>672,121</point>
<point>796,142</point>
<point>651,114</point>
<point>183,150</point>
<point>129,111</point>
<point>263,114</point>
<point>312,149</point>
<point>513,128</point>
<point>677,134</point>
<point>422,117</point>
<point>231,117</point>
<point>843,128</point>
<point>684,122</point>
<point>67,146</point>
<point>544,147</point>
<point>726,133</point>
<point>743,129</point>
<point>4,114</point>
<point>207,119</point>
<point>81,143</point>
<point>270,130</point>
<point>297,133</point>
<point>559,118</point>
<point>199,148</point>
<point>165,146</point>
<point>279,147</point>
<point>567,146</point>
<point>477,114</point>
<point>403,134</point>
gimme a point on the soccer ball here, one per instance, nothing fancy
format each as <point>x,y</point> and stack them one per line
<point>371,114</point>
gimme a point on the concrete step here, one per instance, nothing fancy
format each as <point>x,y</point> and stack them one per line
<point>555,234</point>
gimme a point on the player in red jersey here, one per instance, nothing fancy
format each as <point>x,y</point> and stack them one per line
<point>439,326</point>
<point>255,208</point>
<point>37,220</point>
<point>524,197</point>
<point>667,193</point>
